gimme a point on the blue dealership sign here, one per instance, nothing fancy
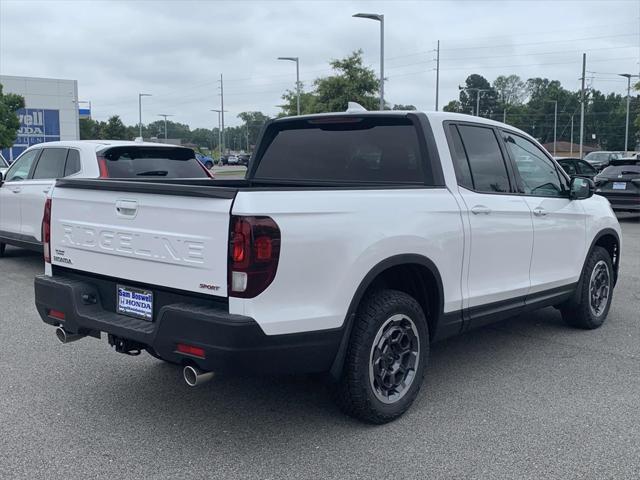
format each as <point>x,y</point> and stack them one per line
<point>37,125</point>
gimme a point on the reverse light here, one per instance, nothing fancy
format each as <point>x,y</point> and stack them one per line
<point>254,251</point>
<point>46,231</point>
<point>190,350</point>
<point>102,166</point>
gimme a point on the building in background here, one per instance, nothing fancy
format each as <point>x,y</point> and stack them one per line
<point>50,113</point>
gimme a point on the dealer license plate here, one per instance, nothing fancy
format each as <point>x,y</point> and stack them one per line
<point>135,302</point>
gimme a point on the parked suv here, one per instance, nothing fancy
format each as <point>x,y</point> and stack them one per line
<point>600,160</point>
<point>354,242</point>
<point>25,185</point>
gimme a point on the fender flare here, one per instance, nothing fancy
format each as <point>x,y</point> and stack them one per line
<point>394,261</point>
<point>615,261</point>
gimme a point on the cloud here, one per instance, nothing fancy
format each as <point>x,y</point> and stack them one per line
<point>176,50</point>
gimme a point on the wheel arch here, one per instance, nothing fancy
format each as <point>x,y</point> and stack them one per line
<point>608,239</point>
<point>431,299</point>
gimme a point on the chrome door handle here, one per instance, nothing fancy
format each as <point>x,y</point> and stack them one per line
<point>16,189</point>
<point>46,190</point>
<point>540,212</point>
<point>480,209</point>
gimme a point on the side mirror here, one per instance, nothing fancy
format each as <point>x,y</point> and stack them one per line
<point>581,188</point>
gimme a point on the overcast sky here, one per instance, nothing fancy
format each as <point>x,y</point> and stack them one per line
<point>177,49</point>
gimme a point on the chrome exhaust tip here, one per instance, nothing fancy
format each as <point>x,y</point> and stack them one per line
<point>194,376</point>
<point>67,337</point>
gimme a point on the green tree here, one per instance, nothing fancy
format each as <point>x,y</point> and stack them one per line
<point>114,129</point>
<point>400,106</point>
<point>511,90</point>
<point>469,95</point>
<point>89,129</point>
<point>10,103</point>
<point>352,82</point>
<point>253,123</point>
<point>453,106</point>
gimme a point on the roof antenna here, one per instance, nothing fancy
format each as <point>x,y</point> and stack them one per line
<point>354,107</point>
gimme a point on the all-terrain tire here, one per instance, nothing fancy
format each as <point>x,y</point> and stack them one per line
<point>356,390</point>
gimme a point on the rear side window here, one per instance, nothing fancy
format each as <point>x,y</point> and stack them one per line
<point>128,162</point>
<point>73,163</point>
<point>460,162</point>
<point>488,170</point>
<point>344,149</point>
<point>51,163</point>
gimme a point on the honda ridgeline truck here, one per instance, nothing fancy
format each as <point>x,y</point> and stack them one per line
<point>355,241</point>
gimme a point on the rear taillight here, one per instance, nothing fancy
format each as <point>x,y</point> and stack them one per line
<point>254,250</point>
<point>102,166</point>
<point>206,170</point>
<point>46,230</point>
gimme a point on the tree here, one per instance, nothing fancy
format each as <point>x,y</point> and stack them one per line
<point>114,129</point>
<point>352,82</point>
<point>511,90</point>
<point>469,96</point>
<point>10,103</point>
<point>399,106</point>
<point>89,129</point>
<point>453,106</point>
<point>253,123</point>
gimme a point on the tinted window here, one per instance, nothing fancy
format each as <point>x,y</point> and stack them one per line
<point>620,170</point>
<point>127,162</point>
<point>51,163</point>
<point>584,168</point>
<point>460,163</point>
<point>346,149</point>
<point>568,166</point>
<point>22,166</point>
<point>73,163</point>
<point>488,169</point>
<point>537,171</point>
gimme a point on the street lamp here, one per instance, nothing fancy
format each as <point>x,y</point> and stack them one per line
<point>165,115</point>
<point>628,76</point>
<point>555,123</point>
<point>297,60</point>
<point>140,95</point>
<point>379,18</point>
<point>219,129</point>
<point>478,92</point>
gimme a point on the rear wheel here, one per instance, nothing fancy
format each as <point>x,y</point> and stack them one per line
<point>386,357</point>
<point>595,295</point>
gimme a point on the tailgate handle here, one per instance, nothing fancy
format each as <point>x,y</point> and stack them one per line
<point>126,208</point>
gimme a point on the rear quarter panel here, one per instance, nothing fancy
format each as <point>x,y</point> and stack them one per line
<point>331,239</point>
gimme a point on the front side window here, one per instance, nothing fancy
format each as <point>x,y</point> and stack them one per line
<point>537,171</point>
<point>488,170</point>
<point>22,166</point>
<point>51,163</point>
<point>584,168</point>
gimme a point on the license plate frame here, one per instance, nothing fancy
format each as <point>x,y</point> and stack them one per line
<point>619,186</point>
<point>134,302</point>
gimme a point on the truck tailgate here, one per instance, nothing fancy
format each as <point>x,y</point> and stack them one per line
<point>151,238</point>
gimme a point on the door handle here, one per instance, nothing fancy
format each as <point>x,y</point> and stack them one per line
<point>46,190</point>
<point>480,209</point>
<point>539,211</point>
<point>16,189</point>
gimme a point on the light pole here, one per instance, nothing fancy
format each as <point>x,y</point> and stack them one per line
<point>555,123</point>
<point>297,60</point>
<point>478,92</point>
<point>165,115</point>
<point>140,95</point>
<point>379,18</point>
<point>219,130</point>
<point>628,76</point>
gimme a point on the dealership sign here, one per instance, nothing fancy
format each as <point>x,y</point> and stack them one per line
<point>36,126</point>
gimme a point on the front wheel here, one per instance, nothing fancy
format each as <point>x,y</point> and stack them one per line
<point>386,357</point>
<point>595,295</point>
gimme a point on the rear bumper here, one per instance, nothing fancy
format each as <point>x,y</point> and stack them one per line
<point>232,343</point>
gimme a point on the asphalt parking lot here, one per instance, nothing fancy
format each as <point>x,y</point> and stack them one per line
<point>527,398</point>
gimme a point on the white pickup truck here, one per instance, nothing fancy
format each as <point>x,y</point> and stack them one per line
<point>354,242</point>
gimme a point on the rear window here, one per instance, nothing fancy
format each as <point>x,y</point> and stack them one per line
<point>343,149</point>
<point>621,170</point>
<point>127,162</point>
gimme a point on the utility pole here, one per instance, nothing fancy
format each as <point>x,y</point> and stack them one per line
<point>437,73</point>
<point>478,92</point>
<point>219,130</point>
<point>628,76</point>
<point>504,116</point>
<point>140,95</point>
<point>582,100</point>
<point>222,114</point>
<point>555,123</point>
<point>165,115</point>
